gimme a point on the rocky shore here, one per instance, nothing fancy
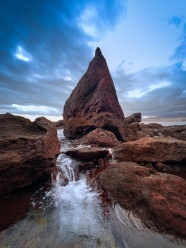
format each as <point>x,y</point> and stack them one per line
<point>149,169</point>
<point>28,151</point>
<point>148,173</point>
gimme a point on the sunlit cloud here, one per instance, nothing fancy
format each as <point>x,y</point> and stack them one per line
<point>33,108</point>
<point>22,54</point>
<point>159,85</point>
<point>86,21</point>
<point>137,93</point>
<point>67,78</point>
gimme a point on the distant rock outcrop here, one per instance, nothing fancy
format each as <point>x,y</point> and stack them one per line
<point>154,129</point>
<point>59,124</point>
<point>135,117</point>
<point>94,103</point>
<point>28,151</point>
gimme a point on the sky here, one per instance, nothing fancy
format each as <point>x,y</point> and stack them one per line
<point>46,47</point>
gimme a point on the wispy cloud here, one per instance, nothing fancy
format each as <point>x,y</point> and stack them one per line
<point>164,94</point>
<point>22,54</point>
<point>35,109</point>
<point>139,93</point>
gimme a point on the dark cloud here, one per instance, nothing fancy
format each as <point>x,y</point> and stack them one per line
<point>55,47</point>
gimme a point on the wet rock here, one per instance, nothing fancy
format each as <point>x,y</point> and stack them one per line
<point>85,154</point>
<point>94,103</point>
<point>86,166</point>
<point>28,151</point>
<point>159,199</point>
<point>59,176</point>
<point>159,149</point>
<point>100,138</point>
<point>135,117</point>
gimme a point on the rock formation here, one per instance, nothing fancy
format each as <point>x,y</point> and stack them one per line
<point>28,151</point>
<point>59,124</point>
<point>87,154</point>
<point>154,129</point>
<point>100,138</point>
<point>94,103</point>
<point>135,117</point>
<point>159,199</point>
<point>157,149</point>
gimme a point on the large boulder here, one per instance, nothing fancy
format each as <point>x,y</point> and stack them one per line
<point>159,199</point>
<point>94,103</point>
<point>28,151</point>
<point>100,137</point>
<point>157,149</point>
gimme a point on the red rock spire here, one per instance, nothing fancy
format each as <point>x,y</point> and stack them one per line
<point>94,103</point>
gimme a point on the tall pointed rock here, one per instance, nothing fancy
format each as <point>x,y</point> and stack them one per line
<point>93,103</point>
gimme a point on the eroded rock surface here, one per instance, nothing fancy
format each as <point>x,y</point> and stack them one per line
<point>28,151</point>
<point>159,199</point>
<point>101,138</point>
<point>157,149</point>
<point>94,103</point>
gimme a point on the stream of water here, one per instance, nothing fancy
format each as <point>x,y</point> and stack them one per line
<point>73,216</point>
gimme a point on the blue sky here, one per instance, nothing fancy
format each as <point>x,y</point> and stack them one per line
<point>46,46</point>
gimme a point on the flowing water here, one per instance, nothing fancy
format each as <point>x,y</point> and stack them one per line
<point>75,216</point>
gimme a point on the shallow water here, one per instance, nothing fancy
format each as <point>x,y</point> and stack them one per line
<point>76,215</point>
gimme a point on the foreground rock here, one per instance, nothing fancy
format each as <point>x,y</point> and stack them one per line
<point>158,199</point>
<point>94,103</point>
<point>159,149</point>
<point>101,138</point>
<point>86,154</point>
<point>28,151</point>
